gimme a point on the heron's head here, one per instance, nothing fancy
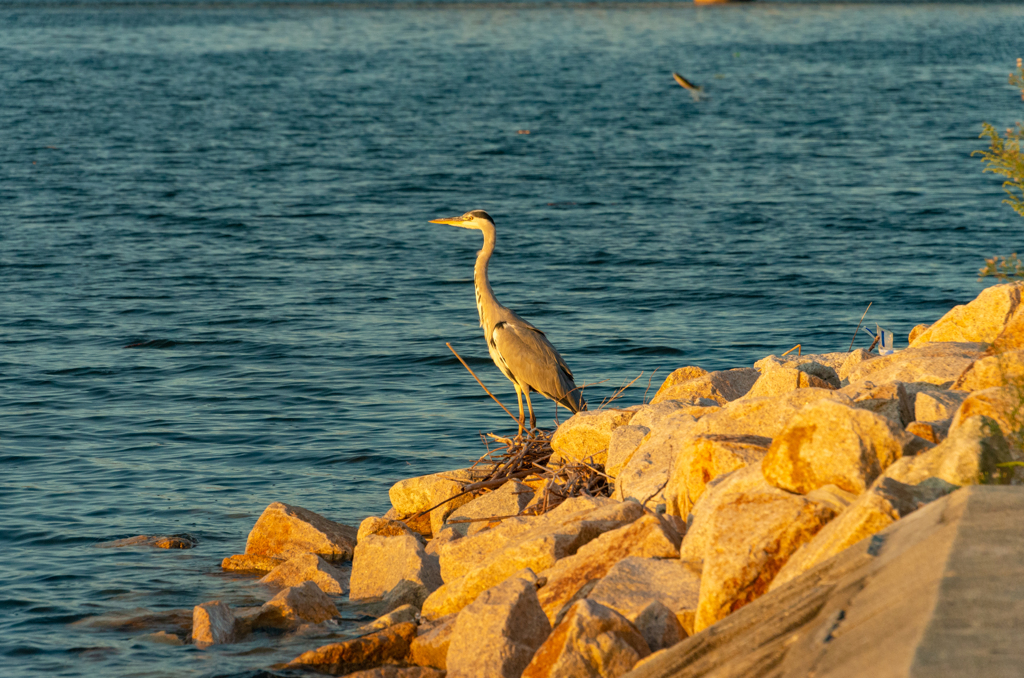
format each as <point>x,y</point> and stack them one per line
<point>477,219</point>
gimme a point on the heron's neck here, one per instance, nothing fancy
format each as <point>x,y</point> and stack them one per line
<point>485,301</point>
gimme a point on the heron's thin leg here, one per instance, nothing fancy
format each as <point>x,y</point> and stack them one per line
<point>519,395</point>
<point>533,419</point>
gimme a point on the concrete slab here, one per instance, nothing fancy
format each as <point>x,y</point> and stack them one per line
<point>939,594</point>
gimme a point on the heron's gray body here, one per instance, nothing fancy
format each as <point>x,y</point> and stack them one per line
<point>520,350</point>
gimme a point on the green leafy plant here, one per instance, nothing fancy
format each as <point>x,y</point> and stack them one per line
<point>1004,158</point>
<point>1003,269</point>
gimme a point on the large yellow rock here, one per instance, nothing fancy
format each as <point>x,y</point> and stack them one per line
<point>1005,368</point>
<point>764,417</point>
<point>634,583</point>
<point>940,364</point>
<point>883,504</point>
<point>687,384</point>
<point>389,645</point>
<point>981,320</point>
<point>893,400</point>
<point>648,537</point>
<point>1004,405</point>
<point>971,454</point>
<point>644,474</point>
<point>381,563</point>
<point>430,648</point>
<point>422,493</point>
<point>831,443</point>
<point>307,567</point>
<point>698,539</point>
<point>623,443</point>
<point>585,435</point>
<point>294,605</point>
<point>779,376</point>
<point>283,531</point>
<point>560,534</point>
<point>593,640</point>
<point>499,632</point>
<point>706,458</point>
<point>753,535</point>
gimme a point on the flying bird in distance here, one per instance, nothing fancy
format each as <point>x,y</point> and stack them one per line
<point>696,91</point>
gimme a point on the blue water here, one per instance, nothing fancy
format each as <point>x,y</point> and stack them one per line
<point>219,287</point>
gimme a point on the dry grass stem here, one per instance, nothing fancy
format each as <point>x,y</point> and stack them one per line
<point>864,315</point>
<point>515,418</point>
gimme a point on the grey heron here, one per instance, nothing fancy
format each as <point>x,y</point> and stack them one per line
<point>520,350</point>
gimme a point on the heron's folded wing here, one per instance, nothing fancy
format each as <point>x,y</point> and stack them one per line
<point>532,359</point>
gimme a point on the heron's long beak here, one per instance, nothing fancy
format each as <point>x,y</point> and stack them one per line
<point>451,221</point>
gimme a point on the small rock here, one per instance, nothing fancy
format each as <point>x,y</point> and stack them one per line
<point>754,535</point>
<point>593,640</point>
<point>294,605</point>
<point>883,504</point>
<point>708,457</point>
<point>932,431</point>
<point>388,645</point>
<point>174,541</point>
<point>679,376</point>
<point>622,444</point>
<point>307,567</point>
<point>398,672</point>
<point>721,387</point>
<point>400,615</point>
<point>161,638</point>
<point>633,584</point>
<point>431,645</point>
<point>498,633</point>
<point>937,405</point>
<point>508,500</point>
<point>213,623</point>
<point>247,563</point>
<point>381,563</point>
<point>405,593</point>
<point>658,625</point>
<point>283,531</point>
<point>571,577</point>
<point>981,320</point>
<point>970,455</point>
<point>585,435</point>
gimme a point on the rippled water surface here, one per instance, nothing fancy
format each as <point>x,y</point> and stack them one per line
<point>218,286</point>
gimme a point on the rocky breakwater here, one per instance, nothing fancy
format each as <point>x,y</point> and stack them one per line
<point>730,496</point>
